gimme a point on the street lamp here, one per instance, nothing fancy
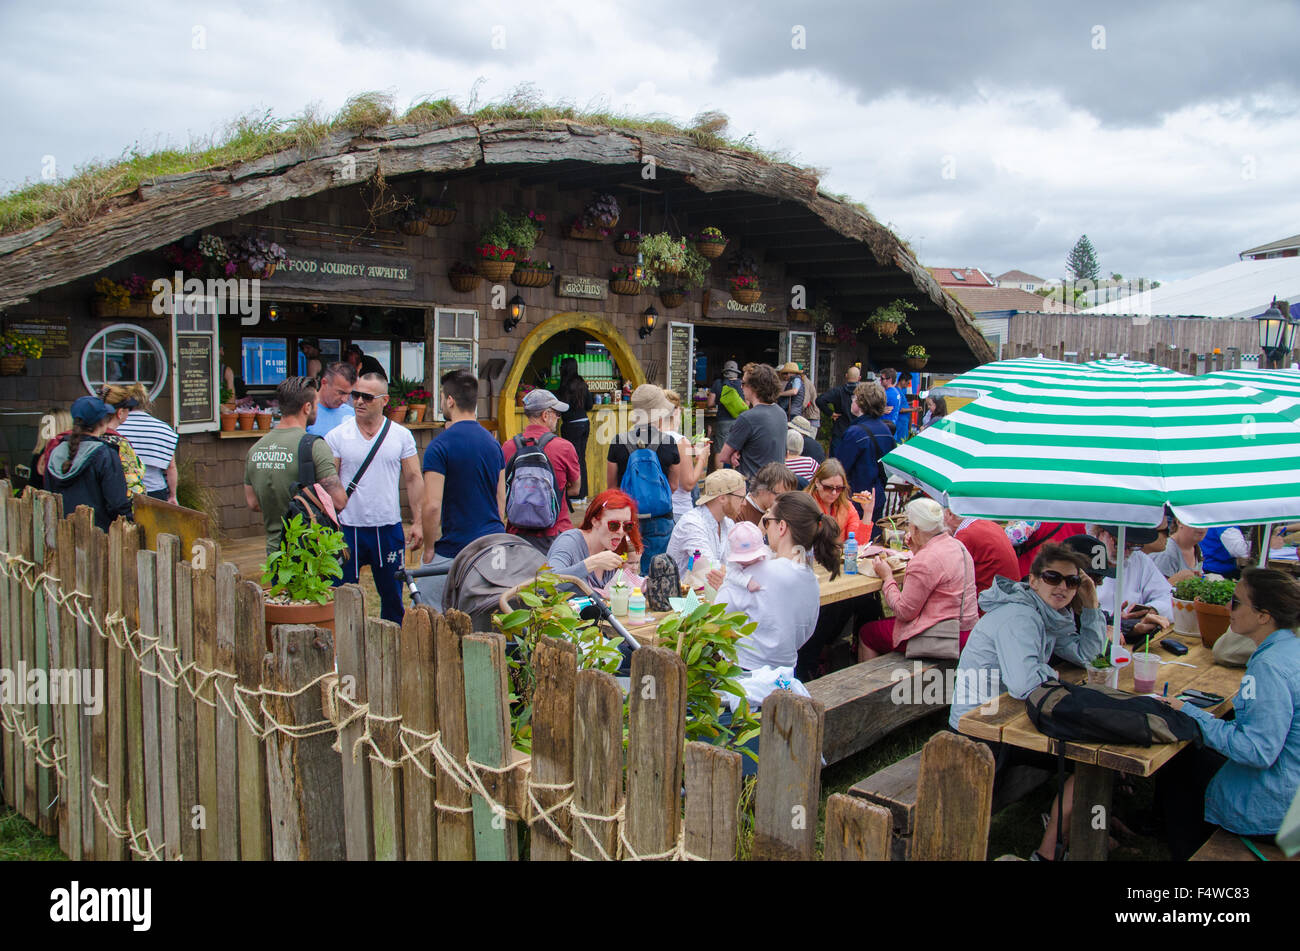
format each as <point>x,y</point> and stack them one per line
<point>648,326</point>
<point>516,313</point>
<point>1275,334</point>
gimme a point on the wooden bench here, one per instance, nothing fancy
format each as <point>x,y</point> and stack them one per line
<point>861,705</point>
<point>1226,846</point>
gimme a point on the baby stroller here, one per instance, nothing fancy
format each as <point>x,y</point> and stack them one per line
<point>489,572</point>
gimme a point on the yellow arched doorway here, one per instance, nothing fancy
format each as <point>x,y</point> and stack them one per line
<point>509,417</point>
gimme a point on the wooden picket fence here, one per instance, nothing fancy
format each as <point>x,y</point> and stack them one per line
<point>208,746</point>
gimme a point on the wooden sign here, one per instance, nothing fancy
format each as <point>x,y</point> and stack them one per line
<point>195,371</point>
<point>720,305</point>
<point>52,332</point>
<point>576,285</point>
<point>310,268</point>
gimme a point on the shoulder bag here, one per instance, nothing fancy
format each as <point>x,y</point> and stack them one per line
<point>941,641</point>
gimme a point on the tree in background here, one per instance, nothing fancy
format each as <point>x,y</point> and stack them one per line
<point>1082,261</point>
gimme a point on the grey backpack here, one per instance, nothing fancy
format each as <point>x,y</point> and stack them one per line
<point>532,499</point>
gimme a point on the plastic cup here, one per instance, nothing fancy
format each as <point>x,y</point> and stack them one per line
<point>1146,669</point>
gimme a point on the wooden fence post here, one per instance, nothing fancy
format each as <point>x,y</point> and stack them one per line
<point>71,800</point>
<point>150,710</point>
<point>8,658</point>
<point>555,666</point>
<point>167,580</point>
<point>597,763</point>
<point>954,800</point>
<point>122,546</point>
<point>713,778</point>
<point>26,652</point>
<point>91,556</point>
<point>487,719</point>
<point>205,558</point>
<point>250,649</point>
<point>187,766</point>
<point>656,731</point>
<point>789,778</point>
<point>419,683</point>
<point>228,723</point>
<point>856,830</point>
<point>304,780</point>
<point>46,779</point>
<point>350,649</point>
<point>52,510</point>
<point>382,679</point>
<point>133,717</point>
<point>455,827</point>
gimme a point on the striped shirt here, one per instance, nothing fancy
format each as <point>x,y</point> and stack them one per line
<point>154,442</point>
<point>802,466</point>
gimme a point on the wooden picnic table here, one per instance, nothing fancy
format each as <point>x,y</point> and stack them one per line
<point>1097,763</point>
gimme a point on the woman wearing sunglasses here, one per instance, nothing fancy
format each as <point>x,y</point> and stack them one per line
<point>593,551</point>
<point>829,488</point>
<point>1247,773</point>
<point>1010,649</point>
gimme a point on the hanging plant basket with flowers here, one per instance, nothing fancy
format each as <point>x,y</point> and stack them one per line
<point>597,220</point>
<point>916,357</point>
<point>622,280</point>
<point>889,319</point>
<point>463,277</point>
<point>745,289</point>
<point>627,243</point>
<point>503,242</point>
<point>495,263</point>
<point>711,243</point>
<point>256,257</point>
<point>15,349</point>
<point>440,211</point>
<point>532,273</point>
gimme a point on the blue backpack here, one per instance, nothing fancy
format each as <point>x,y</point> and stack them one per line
<point>644,480</point>
<point>532,501</point>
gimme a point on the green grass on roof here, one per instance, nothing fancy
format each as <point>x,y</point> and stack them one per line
<point>82,197</point>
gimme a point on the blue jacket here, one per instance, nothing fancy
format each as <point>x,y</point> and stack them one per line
<point>1250,794</point>
<point>860,450</point>
<point>1017,637</point>
<point>1215,558</point>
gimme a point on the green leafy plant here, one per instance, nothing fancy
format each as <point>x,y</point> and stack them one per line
<point>672,263</point>
<point>1189,588</point>
<point>1217,592</point>
<point>227,394</point>
<point>517,232</point>
<point>706,640</point>
<point>547,612</point>
<point>1101,662</point>
<point>916,352</point>
<point>895,312</point>
<point>307,559</point>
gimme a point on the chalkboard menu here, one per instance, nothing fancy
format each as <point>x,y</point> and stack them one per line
<point>195,375</point>
<point>801,351</point>
<point>52,332</point>
<point>679,360</point>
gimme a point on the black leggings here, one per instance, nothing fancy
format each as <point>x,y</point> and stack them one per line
<point>577,433</point>
<point>1180,796</point>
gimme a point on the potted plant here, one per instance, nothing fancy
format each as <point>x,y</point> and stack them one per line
<point>227,397</point>
<point>597,219</point>
<point>413,219</point>
<point>299,576</point>
<point>495,262</point>
<point>711,242</point>
<point>463,277</point>
<point>532,273</point>
<point>440,211</point>
<point>192,261</point>
<point>214,257</point>
<point>626,243</point>
<point>1184,599</point>
<point>263,420</point>
<point>673,286</point>
<point>111,299</point>
<point>396,410</point>
<point>256,257</point>
<point>888,319</point>
<point>417,404</point>
<point>538,219</point>
<point>247,409</point>
<point>15,348</point>
<point>229,419</point>
<point>622,280</point>
<point>915,357</point>
<point>1102,672</point>
<point>663,254</point>
<point>745,289</point>
<point>1212,611</point>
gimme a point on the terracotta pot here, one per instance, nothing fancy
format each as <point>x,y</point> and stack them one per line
<point>12,364</point>
<point>496,270</point>
<point>318,615</point>
<point>264,421</point>
<point>396,413</point>
<point>1213,620</point>
<point>246,421</point>
<point>441,216</point>
<point>711,249</point>
<point>465,282</point>
<point>415,412</point>
<point>746,295</point>
<point>1185,620</point>
<point>228,422</point>
<point>625,288</point>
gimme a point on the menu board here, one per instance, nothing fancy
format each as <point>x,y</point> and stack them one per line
<point>195,375</point>
<point>800,350</point>
<point>52,332</point>
<point>680,341</point>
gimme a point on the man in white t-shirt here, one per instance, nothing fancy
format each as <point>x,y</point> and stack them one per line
<point>372,520</point>
<point>1143,582</point>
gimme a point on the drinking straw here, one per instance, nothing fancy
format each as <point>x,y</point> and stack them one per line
<point>1147,648</point>
<point>1166,693</point>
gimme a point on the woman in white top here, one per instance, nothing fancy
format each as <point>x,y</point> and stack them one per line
<point>695,460</point>
<point>787,599</point>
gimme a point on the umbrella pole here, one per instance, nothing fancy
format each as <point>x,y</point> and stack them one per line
<point>1117,638</point>
<point>1263,544</point>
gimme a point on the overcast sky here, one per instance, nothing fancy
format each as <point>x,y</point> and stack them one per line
<point>985,134</point>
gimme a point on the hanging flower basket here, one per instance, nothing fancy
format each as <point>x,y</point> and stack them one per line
<point>671,299</point>
<point>248,274</point>
<point>626,246</point>
<point>745,290</point>
<point>625,287</point>
<point>799,316</point>
<point>711,249</point>
<point>531,277</point>
<point>916,363</point>
<point>496,270</point>
<point>415,227</point>
<point>886,329</point>
<point>441,216</point>
<point>13,365</point>
<point>579,233</point>
<point>464,278</point>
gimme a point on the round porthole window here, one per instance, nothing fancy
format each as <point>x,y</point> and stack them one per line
<point>124,354</point>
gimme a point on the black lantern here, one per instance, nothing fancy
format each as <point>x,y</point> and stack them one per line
<point>273,311</point>
<point>648,326</point>
<point>639,271</point>
<point>1275,333</point>
<point>516,313</point>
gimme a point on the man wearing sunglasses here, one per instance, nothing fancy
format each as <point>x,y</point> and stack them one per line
<point>334,402</point>
<point>705,527</point>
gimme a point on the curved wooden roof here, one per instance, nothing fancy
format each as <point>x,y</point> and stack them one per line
<point>832,244</point>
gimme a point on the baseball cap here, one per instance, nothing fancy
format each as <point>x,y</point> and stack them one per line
<point>650,398</point>
<point>89,410</point>
<point>1132,536</point>
<point>537,400</point>
<point>1099,563</point>
<point>719,483</point>
<point>731,368</point>
<point>745,543</point>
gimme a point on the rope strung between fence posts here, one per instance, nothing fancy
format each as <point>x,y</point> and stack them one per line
<point>540,813</point>
<point>14,722</point>
<point>152,853</point>
<point>582,818</point>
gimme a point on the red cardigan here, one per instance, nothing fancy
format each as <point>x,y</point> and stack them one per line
<point>991,551</point>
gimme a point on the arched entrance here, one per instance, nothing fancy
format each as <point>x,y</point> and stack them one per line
<point>600,328</point>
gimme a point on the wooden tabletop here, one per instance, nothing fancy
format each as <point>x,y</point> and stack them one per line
<point>1011,723</point>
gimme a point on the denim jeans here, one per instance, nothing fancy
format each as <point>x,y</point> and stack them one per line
<point>655,533</point>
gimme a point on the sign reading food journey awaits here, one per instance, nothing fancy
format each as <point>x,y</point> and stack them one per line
<point>310,268</point>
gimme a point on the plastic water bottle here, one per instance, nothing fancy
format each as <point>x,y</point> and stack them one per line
<point>636,607</point>
<point>851,554</point>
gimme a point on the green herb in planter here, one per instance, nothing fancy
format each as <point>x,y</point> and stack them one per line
<point>1101,662</point>
<point>307,559</point>
<point>1218,592</point>
<point>1189,588</point>
<point>671,262</point>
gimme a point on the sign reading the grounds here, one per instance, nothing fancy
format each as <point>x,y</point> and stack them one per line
<point>52,332</point>
<point>196,395</point>
<point>574,285</point>
<point>342,272</point>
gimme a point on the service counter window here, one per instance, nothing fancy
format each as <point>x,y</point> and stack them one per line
<point>265,360</point>
<point>381,350</point>
<point>331,351</point>
<point>124,354</point>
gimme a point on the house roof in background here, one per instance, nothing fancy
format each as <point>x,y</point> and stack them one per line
<point>980,300</point>
<point>1278,245</point>
<point>961,277</point>
<point>1240,289</point>
<point>1019,276</point>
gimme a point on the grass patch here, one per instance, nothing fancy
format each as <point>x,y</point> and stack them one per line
<point>20,841</point>
<point>86,194</point>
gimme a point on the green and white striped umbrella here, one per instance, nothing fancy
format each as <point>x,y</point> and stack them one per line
<point>994,376</point>
<point>1278,382</point>
<point>1114,447</point>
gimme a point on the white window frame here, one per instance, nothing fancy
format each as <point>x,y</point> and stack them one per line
<point>163,356</point>
<point>437,350</point>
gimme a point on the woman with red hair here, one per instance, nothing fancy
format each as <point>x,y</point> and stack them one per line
<point>594,550</point>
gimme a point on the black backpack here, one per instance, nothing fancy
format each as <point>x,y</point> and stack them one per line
<point>1098,714</point>
<point>302,495</point>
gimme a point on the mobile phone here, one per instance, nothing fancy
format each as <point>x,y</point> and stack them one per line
<point>1144,608</point>
<point>1197,700</point>
<point>1204,695</point>
<point>1174,647</point>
